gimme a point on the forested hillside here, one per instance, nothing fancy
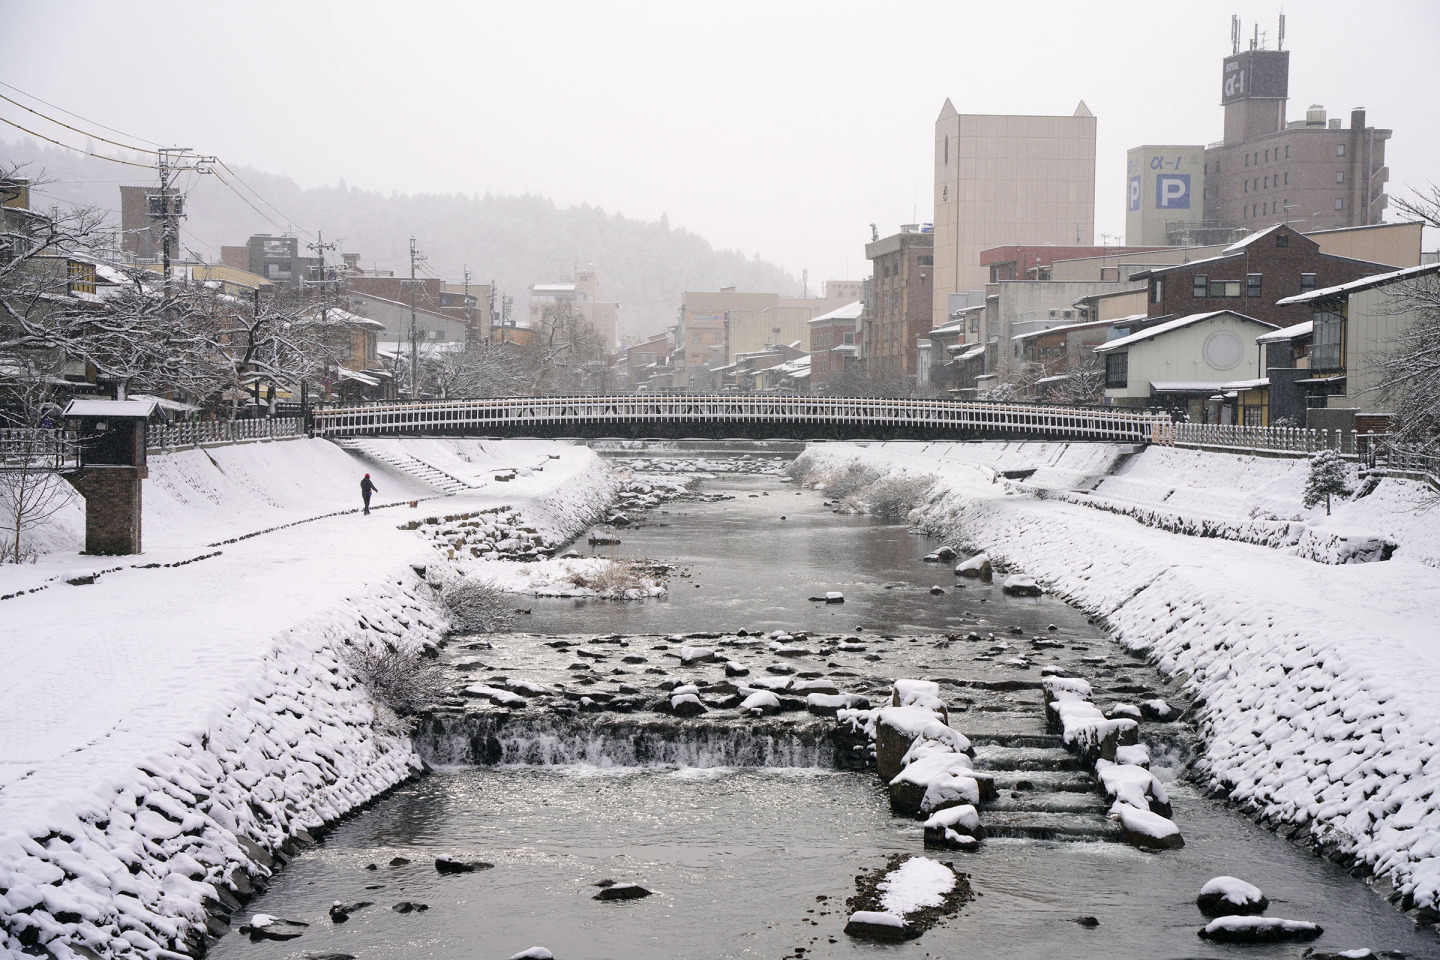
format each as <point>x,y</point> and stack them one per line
<point>514,240</point>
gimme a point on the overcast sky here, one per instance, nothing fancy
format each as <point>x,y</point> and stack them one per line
<point>779,128</point>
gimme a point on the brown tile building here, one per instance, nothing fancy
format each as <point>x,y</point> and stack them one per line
<point>1249,278</point>
<point>903,270</point>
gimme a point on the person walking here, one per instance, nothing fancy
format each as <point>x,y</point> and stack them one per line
<point>366,488</point>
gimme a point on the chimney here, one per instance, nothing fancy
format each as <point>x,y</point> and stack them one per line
<point>1357,118</point>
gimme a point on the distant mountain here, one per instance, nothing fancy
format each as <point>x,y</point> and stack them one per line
<point>514,240</point>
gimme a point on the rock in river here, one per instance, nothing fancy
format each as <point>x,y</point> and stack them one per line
<point>622,891</point>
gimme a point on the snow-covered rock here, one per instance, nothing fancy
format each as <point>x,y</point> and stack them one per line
<point>1228,896</point>
<point>1145,829</point>
<point>1259,930</point>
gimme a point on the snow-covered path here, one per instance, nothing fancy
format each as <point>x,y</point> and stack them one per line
<point>156,720</point>
<point>1319,680</point>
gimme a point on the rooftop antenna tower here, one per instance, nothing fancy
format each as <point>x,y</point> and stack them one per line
<point>1234,33</point>
<point>1280,39</point>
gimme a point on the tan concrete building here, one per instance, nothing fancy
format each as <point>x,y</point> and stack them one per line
<point>1164,184</point>
<point>1007,180</point>
<point>752,331</point>
<point>1314,174</point>
<point>583,295</point>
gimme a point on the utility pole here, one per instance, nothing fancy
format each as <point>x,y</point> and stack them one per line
<point>469,314</point>
<point>491,333</point>
<point>416,258</point>
<point>168,210</point>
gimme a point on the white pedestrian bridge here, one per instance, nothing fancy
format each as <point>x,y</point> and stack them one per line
<point>749,417</point>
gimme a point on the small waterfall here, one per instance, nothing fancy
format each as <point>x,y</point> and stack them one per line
<point>492,739</point>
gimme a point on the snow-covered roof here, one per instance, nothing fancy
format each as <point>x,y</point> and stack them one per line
<point>1331,378</point>
<point>553,288</point>
<point>799,367</point>
<point>1239,245</point>
<point>1182,386</point>
<point>1169,325</point>
<point>1288,333</point>
<point>1246,384</point>
<point>1156,271</point>
<point>1364,283</point>
<point>971,353</point>
<point>1055,379</point>
<point>954,326</point>
<point>844,348</point>
<point>851,311</point>
<point>358,377</point>
<point>110,408</point>
<point>1063,328</point>
<point>174,406</point>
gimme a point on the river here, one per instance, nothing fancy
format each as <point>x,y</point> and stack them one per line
<point>748,834</point>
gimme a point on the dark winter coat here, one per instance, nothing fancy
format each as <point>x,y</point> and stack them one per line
<point>366,488</point>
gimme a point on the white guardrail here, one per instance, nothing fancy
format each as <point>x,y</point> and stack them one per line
<point>509,414</point>
<point>206,432</point>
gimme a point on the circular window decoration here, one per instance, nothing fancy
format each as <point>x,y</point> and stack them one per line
<point>1223,350</point>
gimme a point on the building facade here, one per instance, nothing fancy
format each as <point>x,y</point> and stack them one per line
<point>1007,180</point>
<point>1314,174</point>
<point>583,295</point>
<point>902,287</point>
<point>833,347</point>
<point>1252,277</point>
<point>1165,185</point>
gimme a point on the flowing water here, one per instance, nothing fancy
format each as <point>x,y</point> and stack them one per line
<point>752,833</point>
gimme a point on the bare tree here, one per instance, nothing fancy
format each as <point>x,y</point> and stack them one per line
<point>1410,371</point>
<point>31,452</point>
<point>564,355</point>
<point>479,369</point>
<point>1084,382</point>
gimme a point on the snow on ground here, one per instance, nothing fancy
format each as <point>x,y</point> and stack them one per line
<point>565,577</point>
<point>1319,681</point>
<point>164,725</point>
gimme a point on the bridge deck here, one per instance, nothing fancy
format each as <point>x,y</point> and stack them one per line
<point>755,417</point>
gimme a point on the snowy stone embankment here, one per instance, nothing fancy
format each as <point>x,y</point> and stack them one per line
<point>1317,681</point>
<point>172,726</point>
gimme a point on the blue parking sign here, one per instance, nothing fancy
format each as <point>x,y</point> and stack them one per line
<point>1134,193</point>
<point>1172,191</point>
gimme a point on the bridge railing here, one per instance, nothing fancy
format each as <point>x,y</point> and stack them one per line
<point>509,413</point>
<point>209,432</point>
<point>35,449</point>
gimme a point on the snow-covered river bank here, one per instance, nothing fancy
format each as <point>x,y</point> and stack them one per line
<point>210,720</point>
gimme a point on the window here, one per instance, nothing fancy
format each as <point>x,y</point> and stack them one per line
<point>847,338</point>
<point>1267,156</point>
<point>1287,176</point>
<point>1247,159</point>
<point>1325,352</point>
<point>1287,153</point>
<point>694,338</point>
<point>1307,282</point>
<point>1200,284</point>
<point>1157,291</point>
<point>1339,149</point>
<point>1247,186</point>
<point>947,148</point>
<point>1224,288</point>
<point>1339,203</point>
<point>925,261</point>
<point>1117,369</point>
<point>1267,182</point>
<point>1252,285</point>
<point>1339,176</point>
<point>1282,239</point>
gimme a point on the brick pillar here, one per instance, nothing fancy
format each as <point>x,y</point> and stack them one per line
<point>112,508</point>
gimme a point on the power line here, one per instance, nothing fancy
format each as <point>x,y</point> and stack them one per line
<point>95,136</point>
<point>97,156</point>
<point>267,203</point>
<point>76,115</point>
